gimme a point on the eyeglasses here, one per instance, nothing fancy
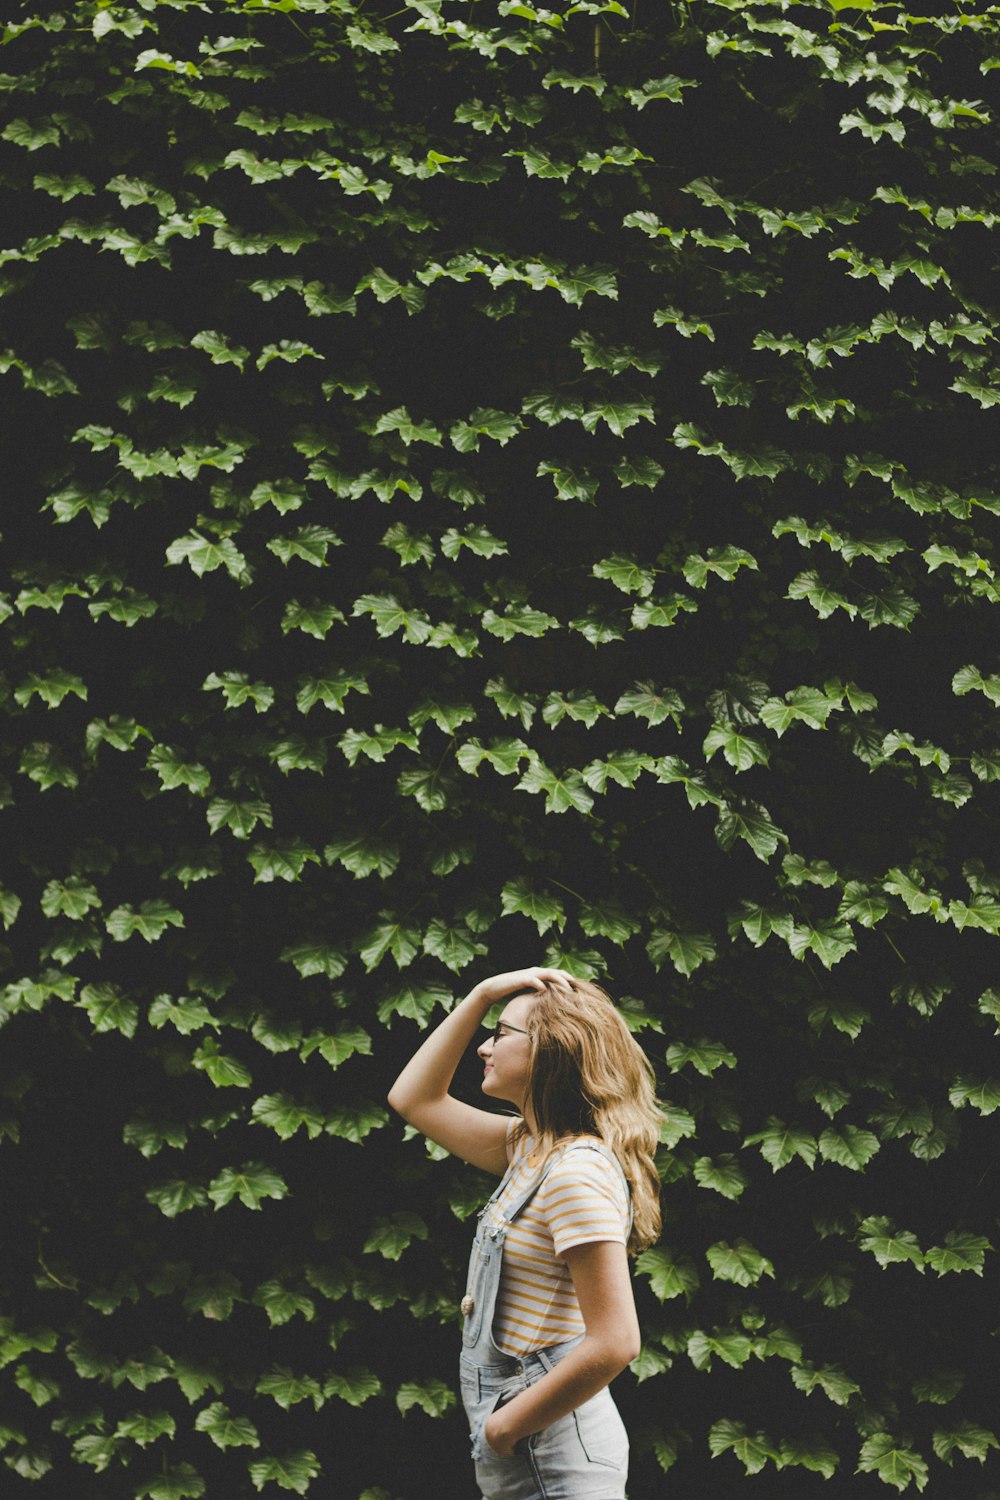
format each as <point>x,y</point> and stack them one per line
<point>503,1026</point>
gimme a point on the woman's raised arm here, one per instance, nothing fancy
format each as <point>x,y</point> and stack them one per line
<point>420,1093</point>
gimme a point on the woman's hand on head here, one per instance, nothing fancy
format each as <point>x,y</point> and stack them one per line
<point>518,981</point>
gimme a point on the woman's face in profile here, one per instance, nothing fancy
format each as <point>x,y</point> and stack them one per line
<point>505,1052</point>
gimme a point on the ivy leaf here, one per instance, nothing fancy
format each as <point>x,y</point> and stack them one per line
<point>961,1251</point>
<point>752,1450</point>
<point>109,1009</point>
<point>510,703</point>
<point>966,1438</point>
<point>734,1349</point>
<point>47,766</point>
<point>704,1056</point>
<point>542,907</point>
<point>741,751</point>
<point>850,1147</point>
<point>400,939</point>
<point>224,1071</point>
<point>669,1275</point>
<point>180,1482</point>
<point>518,619</point>
<point>288,1390</point>
<point>186,1013</point>
<point>225,1430</point>
<point>314,618</point>
<point>889,1246</point>
<point>150,921</point>
<point>809,1453</point>
<point>294,1471</point>
<point>282,1304</point>
<point>282,1114</point>
<point>970,679</point>
<point>583,708</point>
<point>410,431</point>
<point>660,610</point>
<point>251,1184</point>
<point>862,905</point>
<point>52,688</point>
<point>453,945</point>
<point>314,956</point>
<point>413,1000</point>
<point>176,1197</point>
<point>205,556</point>
<point>282,861</point>
<point>649,1362</point>
<point>355,1386</point>
<point>432,1396</point>
<point>780,1144</point>
<point>626,574</point>
<point>391,617</point>
<point>241,818</point>
<point>618,416</point>
<point>363,856</point>
<point>237,690</point>
<point>739,1263</point>
<point>895,1465</point>
<point>724,1175</point>
<point>829,940</point>
<point>687,951</point>
<point>983,1095</point>
<point>310,543</point>
<point>754,826</point>
<point>355,1123</point>
<point>834,1384</point>
<point>428,787</point>
<point>655,705</point>
<point>485,421</point>
<point>390,1237</point>
<point>174,771</point>
<point>329,691</point>
<point>72,898</point>
<point>723,562</point>
<point>607,919</point>
<point>562,791</point>
<point>409,546</point>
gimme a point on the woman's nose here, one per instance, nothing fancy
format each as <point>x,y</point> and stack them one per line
<point>485,1048</point>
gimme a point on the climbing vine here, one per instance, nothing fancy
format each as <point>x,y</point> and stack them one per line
<point>406,414</point>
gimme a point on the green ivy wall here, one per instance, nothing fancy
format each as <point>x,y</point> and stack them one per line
<point>486,485</point>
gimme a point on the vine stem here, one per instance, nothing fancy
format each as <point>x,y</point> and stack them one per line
<point>895,950</point>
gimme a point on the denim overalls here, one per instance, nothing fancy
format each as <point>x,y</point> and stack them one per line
<point>582,1456</point>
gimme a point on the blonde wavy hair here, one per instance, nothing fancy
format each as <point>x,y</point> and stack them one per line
<point>587,1075</point>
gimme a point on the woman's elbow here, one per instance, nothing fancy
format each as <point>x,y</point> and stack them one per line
<point>396,1100</point>
<point>616,1350</point>
<point>630,1348</point>
<point>623,1348</point>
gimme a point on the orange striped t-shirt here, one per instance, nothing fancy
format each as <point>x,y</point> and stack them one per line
<point>582,1199</point>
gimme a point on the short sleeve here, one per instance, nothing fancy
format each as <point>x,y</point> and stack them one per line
<point>584,1200</point>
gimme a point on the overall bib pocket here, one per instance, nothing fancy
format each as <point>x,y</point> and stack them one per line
<point>477,1288</point>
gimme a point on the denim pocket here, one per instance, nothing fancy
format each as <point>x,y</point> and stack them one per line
<point>601,1432</point>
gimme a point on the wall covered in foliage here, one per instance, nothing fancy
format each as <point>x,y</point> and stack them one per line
<point>487,485</point>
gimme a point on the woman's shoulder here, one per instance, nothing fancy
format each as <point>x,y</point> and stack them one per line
<point>587,1156</point>
<point>576,1144</point>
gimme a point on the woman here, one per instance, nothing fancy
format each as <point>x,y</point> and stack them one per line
<point>549,1314</point>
